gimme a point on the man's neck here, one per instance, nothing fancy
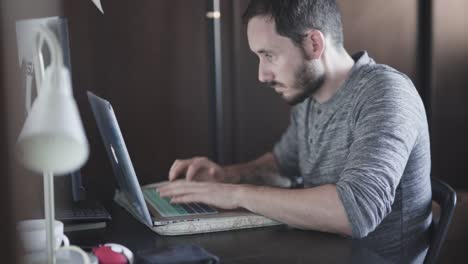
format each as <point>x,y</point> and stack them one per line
<point>338,65</point>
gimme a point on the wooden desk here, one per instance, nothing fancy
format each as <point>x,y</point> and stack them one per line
<point>279,244</point>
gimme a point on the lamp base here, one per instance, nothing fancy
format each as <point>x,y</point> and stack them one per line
<point>69,255</point>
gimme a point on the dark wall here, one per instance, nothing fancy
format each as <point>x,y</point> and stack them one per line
<point>6,214</point>
<point>449,93</point>
<point>386,29</point>
<point>151,60</point>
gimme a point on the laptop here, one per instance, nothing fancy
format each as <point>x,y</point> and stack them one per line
<point>145,204</point>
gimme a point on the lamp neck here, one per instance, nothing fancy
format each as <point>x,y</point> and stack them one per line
<point>45,36</point>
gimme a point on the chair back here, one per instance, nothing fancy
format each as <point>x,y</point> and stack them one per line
<point>446,197</point>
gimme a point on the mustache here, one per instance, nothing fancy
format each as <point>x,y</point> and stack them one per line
<point>273,84</point>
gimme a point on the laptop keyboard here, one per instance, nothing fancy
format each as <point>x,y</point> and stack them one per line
<point>166,209</point>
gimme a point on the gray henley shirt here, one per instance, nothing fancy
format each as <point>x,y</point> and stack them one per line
<point>371,140</point>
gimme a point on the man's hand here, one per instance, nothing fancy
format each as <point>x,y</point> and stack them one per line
<point>197,169</point>
<point>225,196</point>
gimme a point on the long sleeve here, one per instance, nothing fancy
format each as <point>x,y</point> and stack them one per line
<point>387,119</point>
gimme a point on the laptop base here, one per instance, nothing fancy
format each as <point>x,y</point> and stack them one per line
<point>199,225</point>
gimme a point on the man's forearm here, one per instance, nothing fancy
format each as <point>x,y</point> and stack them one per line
<point>318,208</point>
<point>262,171</point>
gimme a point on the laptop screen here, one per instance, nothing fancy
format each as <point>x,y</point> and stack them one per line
<point>117,152</point>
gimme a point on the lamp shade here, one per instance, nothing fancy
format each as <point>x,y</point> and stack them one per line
<point>53,139</point>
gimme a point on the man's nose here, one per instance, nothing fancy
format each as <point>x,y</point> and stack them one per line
<point>264,74</point>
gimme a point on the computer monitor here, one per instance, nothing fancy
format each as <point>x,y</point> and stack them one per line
<point>26,33</point>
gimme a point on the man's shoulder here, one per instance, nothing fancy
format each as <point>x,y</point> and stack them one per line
<point>380,80</point>
<point>367,70</point>
<point>372,74</point>
<point>387,89</point>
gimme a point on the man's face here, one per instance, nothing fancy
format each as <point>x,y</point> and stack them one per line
<point>282,65</point>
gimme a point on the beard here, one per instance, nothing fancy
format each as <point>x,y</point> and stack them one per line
<point>309,77</point>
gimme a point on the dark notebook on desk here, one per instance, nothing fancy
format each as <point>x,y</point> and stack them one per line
<point>146,205</point>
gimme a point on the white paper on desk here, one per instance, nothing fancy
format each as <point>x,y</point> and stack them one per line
<point>98,5</point>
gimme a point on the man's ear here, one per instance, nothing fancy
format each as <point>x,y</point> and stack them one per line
<point>314,44</point>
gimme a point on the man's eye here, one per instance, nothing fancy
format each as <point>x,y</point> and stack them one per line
<point>268,56</point>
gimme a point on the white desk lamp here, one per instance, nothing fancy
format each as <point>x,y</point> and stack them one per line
<point>98,5</point>
<point>52,140</point>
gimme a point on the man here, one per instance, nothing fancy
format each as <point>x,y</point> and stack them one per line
<point>358,136</point>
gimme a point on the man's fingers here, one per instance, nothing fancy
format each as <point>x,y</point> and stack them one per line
<point>213,194</point>
<point>177,168</point>
<point>179,188</point>
<point>172,172</point>
<point>193,169</point>
<point>160,184</point>
<point>189,198</point>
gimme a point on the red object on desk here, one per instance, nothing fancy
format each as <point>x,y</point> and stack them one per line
<point>106,255</point>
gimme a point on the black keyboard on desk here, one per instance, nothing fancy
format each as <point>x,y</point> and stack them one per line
<point>83,212</point>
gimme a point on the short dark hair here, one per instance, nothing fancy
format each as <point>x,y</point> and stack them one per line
<point>294,17</point>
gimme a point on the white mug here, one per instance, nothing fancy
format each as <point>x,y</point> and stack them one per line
<point>33,235</point>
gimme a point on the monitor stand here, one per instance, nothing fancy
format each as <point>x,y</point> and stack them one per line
<point>78,190</point>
